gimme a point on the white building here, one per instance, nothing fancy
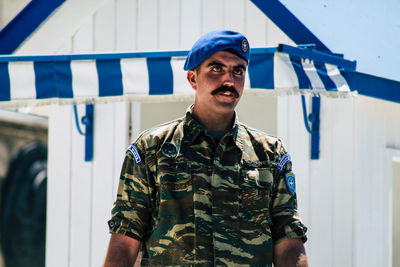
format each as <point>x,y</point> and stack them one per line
<point>348,197</point>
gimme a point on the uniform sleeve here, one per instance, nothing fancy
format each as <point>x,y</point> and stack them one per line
<point>131,213</point>
<point>286,222</point>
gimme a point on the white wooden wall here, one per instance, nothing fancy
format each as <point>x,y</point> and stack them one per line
<point>394,157</point>
<point>80,194</point>
<point>342,197</point>
<point>378,131</point>
<point>9,9</point>
<point>324,186</point>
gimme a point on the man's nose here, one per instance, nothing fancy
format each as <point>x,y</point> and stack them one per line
<point>229,79</point>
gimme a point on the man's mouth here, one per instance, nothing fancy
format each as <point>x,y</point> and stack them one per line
<point>226,91</point>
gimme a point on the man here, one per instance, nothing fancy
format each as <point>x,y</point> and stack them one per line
<point>206,190</point>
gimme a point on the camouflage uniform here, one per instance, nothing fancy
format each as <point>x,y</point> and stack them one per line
<point>193,202</point>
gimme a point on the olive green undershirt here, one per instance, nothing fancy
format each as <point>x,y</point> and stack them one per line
<point>216,135</point>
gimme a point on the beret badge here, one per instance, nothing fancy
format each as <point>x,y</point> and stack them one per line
<point>245,46</point>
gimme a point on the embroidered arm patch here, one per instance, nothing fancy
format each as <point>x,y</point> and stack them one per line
<point>290,182</point>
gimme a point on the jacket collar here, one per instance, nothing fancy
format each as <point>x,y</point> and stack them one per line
<point>192,128</point>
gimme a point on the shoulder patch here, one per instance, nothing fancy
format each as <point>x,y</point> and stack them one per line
<point>285,159</point>
<point>290,182</point>
<point>135,153</point>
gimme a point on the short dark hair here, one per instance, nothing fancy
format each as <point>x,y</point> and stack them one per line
<point>197,69</point>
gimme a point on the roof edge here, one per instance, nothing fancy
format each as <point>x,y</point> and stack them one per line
<point>289,23</point>
<point>25,23</point>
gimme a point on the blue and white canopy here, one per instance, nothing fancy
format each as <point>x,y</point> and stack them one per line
<point>149,76</point>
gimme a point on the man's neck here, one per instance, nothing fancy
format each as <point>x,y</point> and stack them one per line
<point>214,122</point>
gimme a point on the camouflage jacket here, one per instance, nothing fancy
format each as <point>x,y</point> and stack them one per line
<point>193,202</point>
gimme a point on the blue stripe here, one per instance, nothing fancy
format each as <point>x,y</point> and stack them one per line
<point>161,81</point>
<point>261,71</point>
<point>110,77</point>
<point>323,75</point>
<point>107,56</point>
<point>288,23</point>
<point>64,79</point>
<point>315,127</point>
<point>45,80</point>
<point>156,54</point>
<point>4,82</point>
<point>304,81</point>
<point>373,86</point>
<point>23,25</point>
<point>89,133</point>
<point>319,56</point>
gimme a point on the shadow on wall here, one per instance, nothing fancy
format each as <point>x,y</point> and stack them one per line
<point>23,208</point>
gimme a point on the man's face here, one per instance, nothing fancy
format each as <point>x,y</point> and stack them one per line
<point>218,82</point>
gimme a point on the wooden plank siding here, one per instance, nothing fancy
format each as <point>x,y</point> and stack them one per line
<point>59,187</point>
<point>377,125</point>
<point>127,26</point>
<point>342,197</point>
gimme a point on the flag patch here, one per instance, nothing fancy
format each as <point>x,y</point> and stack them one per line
<point>290,182</point>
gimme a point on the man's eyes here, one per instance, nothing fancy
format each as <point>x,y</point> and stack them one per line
<point>238,71</point>
<point>216,68</point>
<point>235,71</point>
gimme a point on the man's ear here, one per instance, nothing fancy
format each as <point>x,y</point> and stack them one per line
<point>192,78</point>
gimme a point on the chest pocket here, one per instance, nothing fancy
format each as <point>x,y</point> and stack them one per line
<point>256,185</point>
<point>175,194</point>
<point>256,189</point>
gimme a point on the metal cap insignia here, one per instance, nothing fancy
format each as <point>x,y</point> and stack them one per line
<point>245,45</point>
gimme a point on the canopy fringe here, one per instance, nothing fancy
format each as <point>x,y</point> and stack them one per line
<point>166,98</point>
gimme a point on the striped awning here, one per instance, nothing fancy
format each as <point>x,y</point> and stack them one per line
<point>158,76</point>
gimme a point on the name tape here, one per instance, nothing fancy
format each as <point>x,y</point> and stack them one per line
<point>285,159</point>
<point>135,153</point>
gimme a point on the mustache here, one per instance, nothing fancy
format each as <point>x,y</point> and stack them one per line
<point>225,88</point>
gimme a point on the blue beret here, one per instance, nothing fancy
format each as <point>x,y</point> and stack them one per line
<point>214,42</point>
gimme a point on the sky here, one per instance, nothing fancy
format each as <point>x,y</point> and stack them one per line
<point>367,31</point>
